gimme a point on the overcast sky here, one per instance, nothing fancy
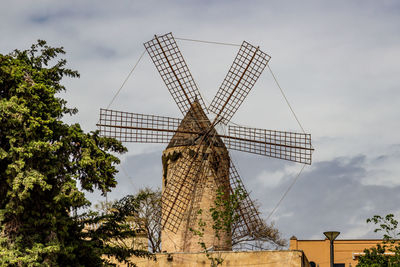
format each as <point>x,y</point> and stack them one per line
<point>337,61</point>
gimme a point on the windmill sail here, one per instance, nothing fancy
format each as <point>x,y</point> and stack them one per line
<point>169,62</point>
<point>247,221</point>
<point>290,146</point>
<point>179,189</point>
<point>135,127</point>
<point>248,65</point>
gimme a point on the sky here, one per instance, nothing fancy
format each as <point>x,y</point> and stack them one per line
<point>337,62</point>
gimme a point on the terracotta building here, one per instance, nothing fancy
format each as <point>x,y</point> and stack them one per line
<point>346,251</point>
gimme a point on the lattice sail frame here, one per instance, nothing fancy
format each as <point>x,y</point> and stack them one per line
<point>251,223</point>
<point>134,127</point>
<point>178,194</point>
<point>276,144</point>
<point>168,59</point>
<point>247,67</point>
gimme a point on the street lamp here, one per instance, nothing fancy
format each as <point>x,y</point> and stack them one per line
<point>331,235</point>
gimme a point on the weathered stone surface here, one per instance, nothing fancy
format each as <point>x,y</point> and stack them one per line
<point>270,258</point>
<point>215,174</point>
<point>195,140</point>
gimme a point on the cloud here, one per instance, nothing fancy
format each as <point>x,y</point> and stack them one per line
<point>328,195</point>
<point>135,172</point>
<point>331,195</point>
<point>337,62</point>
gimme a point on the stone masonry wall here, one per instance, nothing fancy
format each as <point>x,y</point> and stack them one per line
<point>269,258</point>
<point>215,175</point>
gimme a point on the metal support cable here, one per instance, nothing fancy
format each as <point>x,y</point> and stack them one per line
<point>286,192</point>
<point>207,42</point>
<point>129,178</point>
<point>284,96</point>
<point>126,79</point>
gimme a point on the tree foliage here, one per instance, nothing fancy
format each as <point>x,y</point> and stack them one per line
<point>225,219</point>
<point>264,236</point>
<point>146,215</point>
<point>387,253</point>
<point>149,216</point>
<point>44,162</point>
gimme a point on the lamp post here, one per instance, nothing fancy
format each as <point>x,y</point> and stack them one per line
<point>331,235</point>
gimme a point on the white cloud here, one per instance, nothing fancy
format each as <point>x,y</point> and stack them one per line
<point>272,178</point>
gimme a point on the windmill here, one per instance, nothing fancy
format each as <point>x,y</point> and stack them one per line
<point>196,162</point>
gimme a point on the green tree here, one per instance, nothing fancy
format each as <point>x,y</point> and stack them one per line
<point>45,167</point>
<point>385,254</point>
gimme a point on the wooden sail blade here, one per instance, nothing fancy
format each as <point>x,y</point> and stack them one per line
<point>134,127</point>
<point>169,62</point>
<point>277,144</point>
<point>240,79</point>
<point>247,221</point>
<point>179,189</point>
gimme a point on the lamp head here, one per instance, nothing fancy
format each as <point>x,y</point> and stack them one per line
<point>331,235</point>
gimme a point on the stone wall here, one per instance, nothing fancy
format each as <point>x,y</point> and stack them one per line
<point>202,198</point>
<point>272,258</point>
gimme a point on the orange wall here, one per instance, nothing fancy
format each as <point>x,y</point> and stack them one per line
<point>318,251</point>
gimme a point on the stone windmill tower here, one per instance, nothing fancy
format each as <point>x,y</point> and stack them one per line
<point>197,169</point>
